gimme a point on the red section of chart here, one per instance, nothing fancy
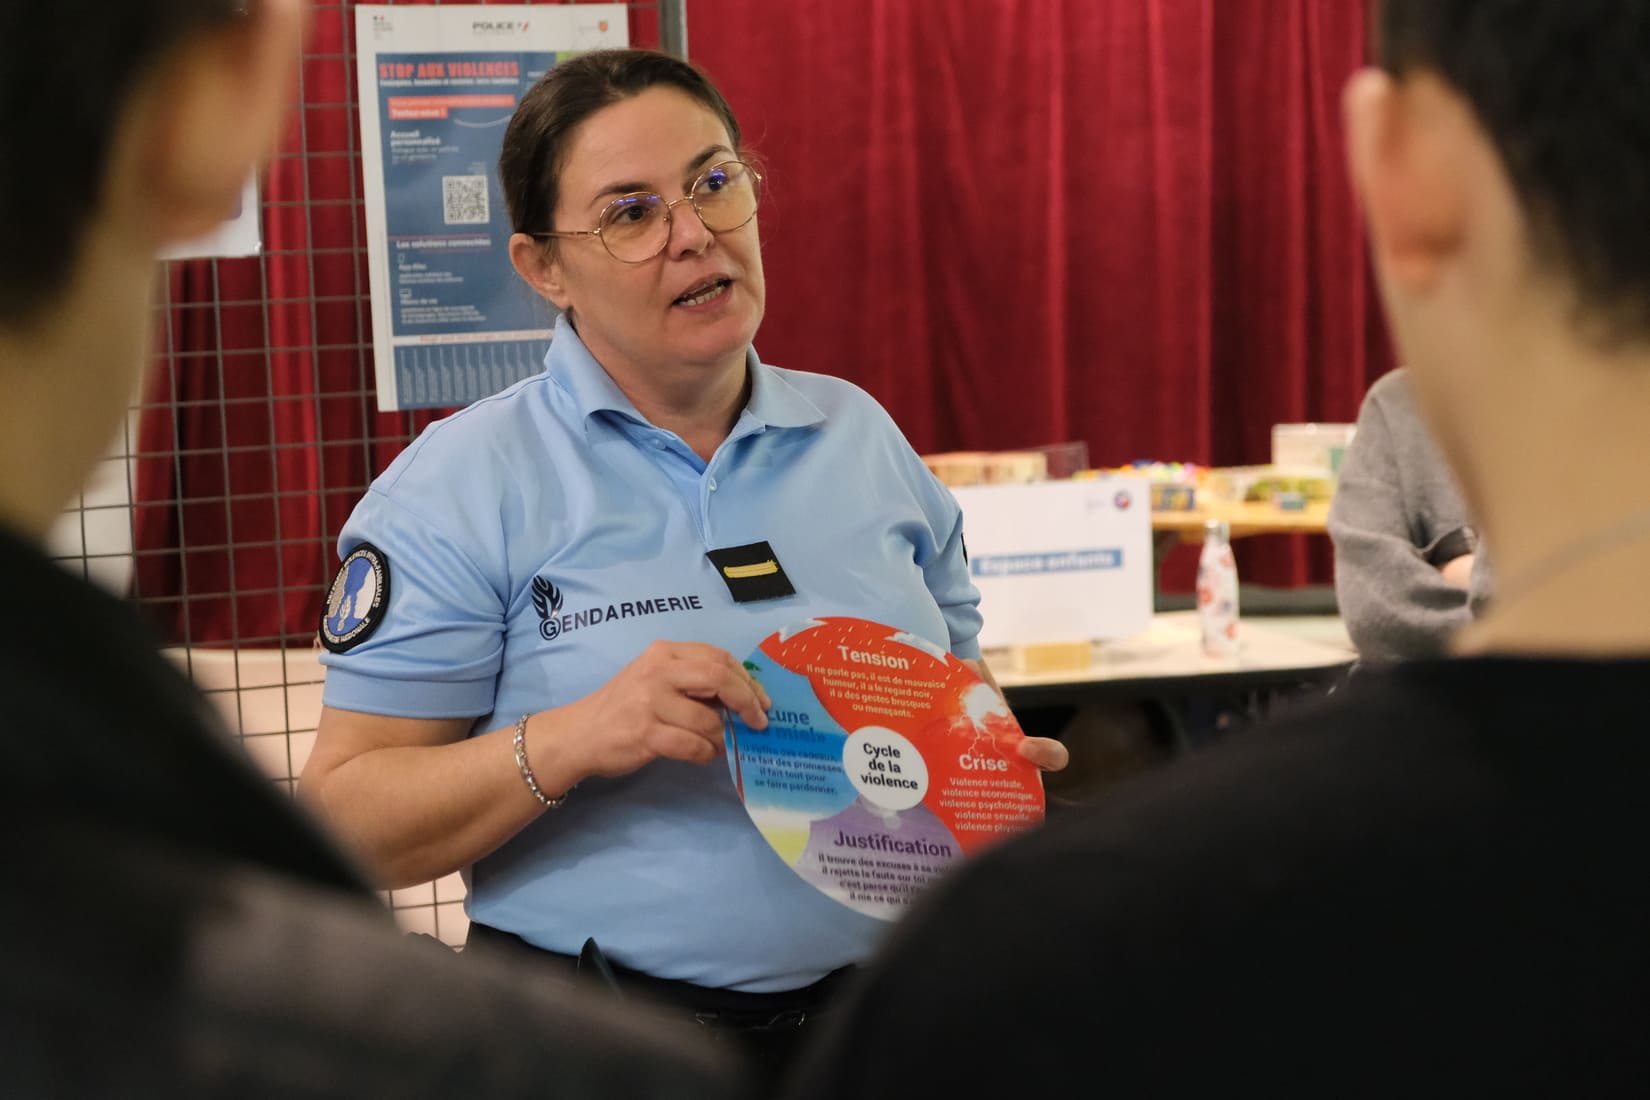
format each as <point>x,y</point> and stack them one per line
<point>979,784</point>
<point>868,675</point>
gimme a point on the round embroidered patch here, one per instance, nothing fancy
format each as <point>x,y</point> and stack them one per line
<point>359,598</point>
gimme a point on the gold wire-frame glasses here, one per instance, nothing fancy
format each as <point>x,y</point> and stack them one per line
<point>635,227</point>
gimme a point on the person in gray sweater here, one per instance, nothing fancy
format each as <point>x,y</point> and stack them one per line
<point>1409,570</point>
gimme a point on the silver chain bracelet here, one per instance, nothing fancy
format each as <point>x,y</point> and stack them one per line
<point>526,769</point>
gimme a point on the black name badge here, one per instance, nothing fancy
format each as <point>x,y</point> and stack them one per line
<point>752,573</point>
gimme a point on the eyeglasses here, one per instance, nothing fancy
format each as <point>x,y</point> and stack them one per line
<point>636,227</point>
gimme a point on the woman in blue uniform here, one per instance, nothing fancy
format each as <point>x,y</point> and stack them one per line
<point>502,695</point>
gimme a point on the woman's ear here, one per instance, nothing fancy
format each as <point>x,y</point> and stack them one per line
<point>539,264</point>
<point>211,116</point>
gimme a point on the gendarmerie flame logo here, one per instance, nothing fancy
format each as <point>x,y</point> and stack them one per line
<point>547,602</point>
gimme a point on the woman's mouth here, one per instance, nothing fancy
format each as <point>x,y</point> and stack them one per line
<point>707,291</point>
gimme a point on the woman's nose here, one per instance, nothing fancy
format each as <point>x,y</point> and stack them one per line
<point>688,235</point>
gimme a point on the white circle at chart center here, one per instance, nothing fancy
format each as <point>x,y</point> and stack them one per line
<point>885,768</point>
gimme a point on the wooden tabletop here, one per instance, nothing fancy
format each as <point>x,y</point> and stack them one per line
<point>1246,518</point>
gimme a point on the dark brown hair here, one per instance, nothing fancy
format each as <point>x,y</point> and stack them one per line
<point>66,69</point>
<point>1562,87</point>
<point>540,133</point>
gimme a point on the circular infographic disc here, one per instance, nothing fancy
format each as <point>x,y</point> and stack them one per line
<point>886,759</point>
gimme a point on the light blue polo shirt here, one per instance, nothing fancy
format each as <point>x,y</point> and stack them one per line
<point>560,480</point>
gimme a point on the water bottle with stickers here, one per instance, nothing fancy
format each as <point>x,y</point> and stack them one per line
<point>1217,590</point>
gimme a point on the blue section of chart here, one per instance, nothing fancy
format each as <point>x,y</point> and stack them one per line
<point>795,765</point>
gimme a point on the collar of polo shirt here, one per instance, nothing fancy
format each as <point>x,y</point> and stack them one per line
<point>774,402</point>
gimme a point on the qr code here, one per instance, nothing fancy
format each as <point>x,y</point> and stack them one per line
<point>464,200</point>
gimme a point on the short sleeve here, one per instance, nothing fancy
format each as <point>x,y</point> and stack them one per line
<point>948,582</point>
<point>436,650</point>
<point>944,561</point>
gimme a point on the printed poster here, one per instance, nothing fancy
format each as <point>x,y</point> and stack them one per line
<point>451,321</point>
<point>886,760</point>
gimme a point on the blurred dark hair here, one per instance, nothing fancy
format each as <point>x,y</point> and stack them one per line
<point>66,68</point>
<point>1562,87</point>
<point>540,133</point>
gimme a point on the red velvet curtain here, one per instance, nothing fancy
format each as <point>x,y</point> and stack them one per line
<point>1013,221</point>
<point>1026,221</point>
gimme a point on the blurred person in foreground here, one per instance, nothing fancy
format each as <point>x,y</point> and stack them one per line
<point>172,926</point>
<point>1435,883</point>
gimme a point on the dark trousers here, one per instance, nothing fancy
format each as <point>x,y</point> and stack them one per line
<point>766,1029</point>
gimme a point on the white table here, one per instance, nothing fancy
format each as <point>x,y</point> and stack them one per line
<point>1168,659</point>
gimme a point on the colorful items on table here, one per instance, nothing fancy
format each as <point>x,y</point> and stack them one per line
<point>1174,485</point>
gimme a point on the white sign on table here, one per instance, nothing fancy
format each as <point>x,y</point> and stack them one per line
<point>1060,561</point>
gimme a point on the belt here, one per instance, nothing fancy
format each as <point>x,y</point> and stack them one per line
<point>720,1009</point>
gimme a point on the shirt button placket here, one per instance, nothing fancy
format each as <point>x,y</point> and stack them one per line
<point>710,488</point>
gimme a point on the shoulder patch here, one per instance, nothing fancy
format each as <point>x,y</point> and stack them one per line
<point>358,601</point>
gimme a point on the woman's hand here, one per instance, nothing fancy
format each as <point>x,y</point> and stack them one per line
<point>667,703</point>
<point>1045,752</point>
